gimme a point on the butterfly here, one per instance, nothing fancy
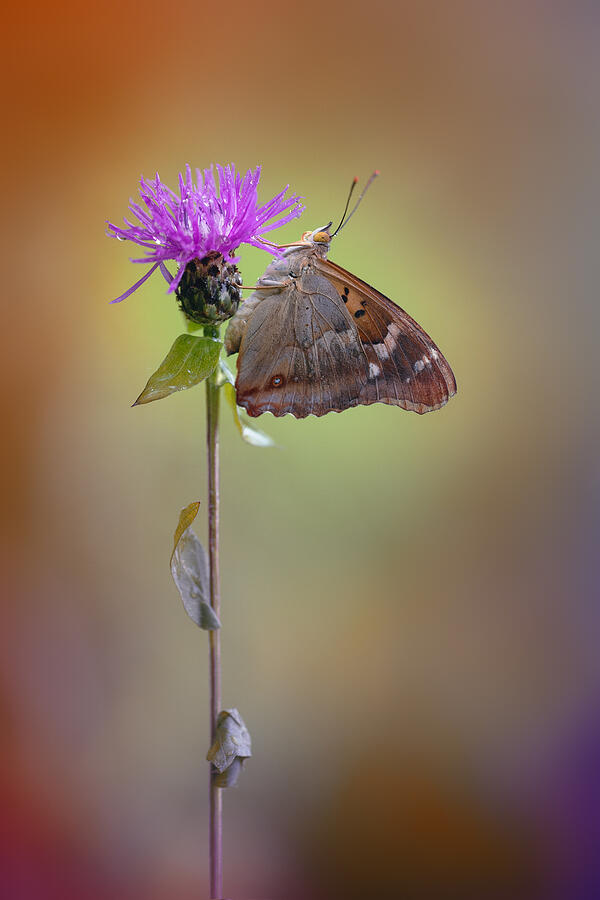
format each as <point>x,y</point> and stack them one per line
<point>313,339</point>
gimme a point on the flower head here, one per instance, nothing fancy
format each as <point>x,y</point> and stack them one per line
<point>201,220</point>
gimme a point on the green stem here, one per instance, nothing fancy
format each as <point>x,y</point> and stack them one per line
<point>214,637</point>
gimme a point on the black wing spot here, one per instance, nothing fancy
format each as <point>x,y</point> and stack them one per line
<point>346,291</point>
<point>363,302</point>
<point>344,297</point>
<point>359,313</point>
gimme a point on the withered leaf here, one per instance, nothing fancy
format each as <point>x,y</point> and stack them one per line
<point>231,775</point>
<point>232,742</point>
<point>186,517</point>
<point>189,568</point>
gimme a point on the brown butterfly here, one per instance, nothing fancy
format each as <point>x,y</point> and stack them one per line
<point>313,339</point>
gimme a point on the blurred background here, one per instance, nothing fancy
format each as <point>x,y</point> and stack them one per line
<point>410,626</point>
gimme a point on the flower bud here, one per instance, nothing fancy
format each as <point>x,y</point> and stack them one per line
<point>208,291</point>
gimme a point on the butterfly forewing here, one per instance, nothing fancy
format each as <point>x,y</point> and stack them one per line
<point>406,368</point>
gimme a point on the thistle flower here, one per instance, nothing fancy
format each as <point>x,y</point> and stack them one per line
<point>200,230</point>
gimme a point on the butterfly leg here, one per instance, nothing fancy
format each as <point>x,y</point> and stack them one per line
<point>270,285</point>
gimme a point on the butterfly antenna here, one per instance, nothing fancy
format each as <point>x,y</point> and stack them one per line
<point>350,192</point>
<point>356,205</point>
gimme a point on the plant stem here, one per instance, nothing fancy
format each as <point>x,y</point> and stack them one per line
<point>214,637</point>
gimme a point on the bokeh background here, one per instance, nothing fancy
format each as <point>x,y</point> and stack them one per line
<point>410,616</point>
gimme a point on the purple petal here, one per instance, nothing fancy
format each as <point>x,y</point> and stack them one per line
<point>166,274</point>
<point>291,215</point>
<point>204,216</point>
<point>175,281</point>
<point>136,285</point>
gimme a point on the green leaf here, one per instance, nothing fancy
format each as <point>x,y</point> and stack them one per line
<point>189,568</point>
<point>248,432</point>
<point>231,747</point>
<point>225,375</point>
<point>189,361</point>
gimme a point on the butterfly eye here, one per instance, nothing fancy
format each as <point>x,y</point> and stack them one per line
<point>323,237</point>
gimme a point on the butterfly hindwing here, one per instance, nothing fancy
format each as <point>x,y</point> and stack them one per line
<point>324,341</point>
<point>299,355</point>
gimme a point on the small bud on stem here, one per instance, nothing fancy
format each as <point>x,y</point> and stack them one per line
<point>209,290</point>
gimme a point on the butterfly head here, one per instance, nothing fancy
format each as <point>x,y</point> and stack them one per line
<point>319,239</point>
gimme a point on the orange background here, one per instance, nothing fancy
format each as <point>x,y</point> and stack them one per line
<point>408,625</point>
